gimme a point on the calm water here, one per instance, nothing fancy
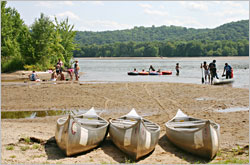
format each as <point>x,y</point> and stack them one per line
<point>115,70</point>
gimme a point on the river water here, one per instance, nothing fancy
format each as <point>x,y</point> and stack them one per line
<point>115,70</point>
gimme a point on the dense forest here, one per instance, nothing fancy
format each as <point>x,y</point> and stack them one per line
<point>231,39</point>
<point>231,31</point>
<point>39,46</point>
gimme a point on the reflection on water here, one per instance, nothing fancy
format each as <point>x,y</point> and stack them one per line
<point>40,113</point>
<point>115,70</point>
<point>233,109</point>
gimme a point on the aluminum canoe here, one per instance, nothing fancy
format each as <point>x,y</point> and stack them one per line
<point>80,132</point>
<point>134,135</point>
<point>222,81</point>
<point>197,136</point>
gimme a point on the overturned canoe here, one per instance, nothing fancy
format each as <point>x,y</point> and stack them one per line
<point>222,81</point>
<point>81,132</point>
<point>198,136</point>
<point>134,135</point>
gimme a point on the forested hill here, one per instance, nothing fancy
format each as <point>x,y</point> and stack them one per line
<point>231,31</point>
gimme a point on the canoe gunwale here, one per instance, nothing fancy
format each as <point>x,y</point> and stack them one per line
<point>92,129</point>
<point>137,121</point>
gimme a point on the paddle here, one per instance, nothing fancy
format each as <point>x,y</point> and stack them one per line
<point>202,78</point>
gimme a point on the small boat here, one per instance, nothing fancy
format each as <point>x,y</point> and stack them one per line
<point>222,81</point>
<point>133,73</point>
<point>166,72</point>
<point>80,132</point>
<point>134,135</point>
<point>154,73</point>
<point>144,73</point>
<point>197,136</point>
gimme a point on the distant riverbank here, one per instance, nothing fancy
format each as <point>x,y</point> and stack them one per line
<point>180,58</point>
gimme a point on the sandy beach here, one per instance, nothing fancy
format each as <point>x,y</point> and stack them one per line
<point>157,102</point>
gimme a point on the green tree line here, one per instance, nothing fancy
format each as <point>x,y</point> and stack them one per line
<point>231,31</point>
<point>165,49</point>
<point>37,47</point>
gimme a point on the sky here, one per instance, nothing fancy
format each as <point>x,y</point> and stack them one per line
<point>119,15</point>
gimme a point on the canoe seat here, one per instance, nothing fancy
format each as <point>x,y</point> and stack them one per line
<point>186,129</point>
<point>91,122</point>
<point>184,124</point>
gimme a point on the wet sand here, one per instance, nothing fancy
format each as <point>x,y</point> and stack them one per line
<point>157,102</point>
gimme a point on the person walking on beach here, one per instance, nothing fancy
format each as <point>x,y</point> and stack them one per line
<point>76,69</point>
<point>228,70</point>
<point>177,68</point>
<point>213,70</point>
<point>206,71</point>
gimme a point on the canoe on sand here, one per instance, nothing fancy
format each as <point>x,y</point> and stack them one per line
<point>197,136</point>
<point>134,135</point>
<point>81,132</point>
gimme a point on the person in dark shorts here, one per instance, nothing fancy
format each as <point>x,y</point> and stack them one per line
<point>228,70</point>
<point>213,70</point>
<point>177,68</point>
<point>76,69</point>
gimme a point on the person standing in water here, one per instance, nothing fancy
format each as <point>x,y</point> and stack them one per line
<point>206,71</point>
<point>177,68</point>
<point>76,70</point>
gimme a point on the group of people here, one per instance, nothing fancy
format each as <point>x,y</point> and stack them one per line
<point>210,71</point>
<point>58,74</point>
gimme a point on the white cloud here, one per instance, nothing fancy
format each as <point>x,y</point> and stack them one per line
<point>96,25</point>
<point>46,4</point>
<point>194,6</point>
<point>143,5</point>
<point>97,3</point>
<point>230,12</point>
<point>155,12</point>
<point>70,3</point>
<point>68,14</point>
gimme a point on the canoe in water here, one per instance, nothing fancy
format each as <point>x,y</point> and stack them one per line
<point>81,132</point>
<point>222,81</point>
<point>133,73</point>
<point>143,73</point>
<point>197,136</point>
<point>166,72</point>
<point>134,135</point>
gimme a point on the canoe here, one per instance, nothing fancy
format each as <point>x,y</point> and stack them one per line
<point>143,73</point>
<point>133,73</point>
<point>222,81</point>
<point>134,135</point>
<point>80,132</point>
<point>155,73</point>
<point>197,136</point>
<point>166,72</point>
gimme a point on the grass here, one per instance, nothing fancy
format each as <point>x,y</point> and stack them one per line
<point>36,146</point>
<point>13,156</point>
<point>27,140</point>
<point>38,156</point>
<point>128,161</point>
<point>10,147</point>
<point>24,148</point>
<point>232,161</point>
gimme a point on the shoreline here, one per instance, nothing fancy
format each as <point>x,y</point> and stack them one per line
<point>164,58</point>
<point>157,102</point>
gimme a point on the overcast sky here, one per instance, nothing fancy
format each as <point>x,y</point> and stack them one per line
<point>117,15</point>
